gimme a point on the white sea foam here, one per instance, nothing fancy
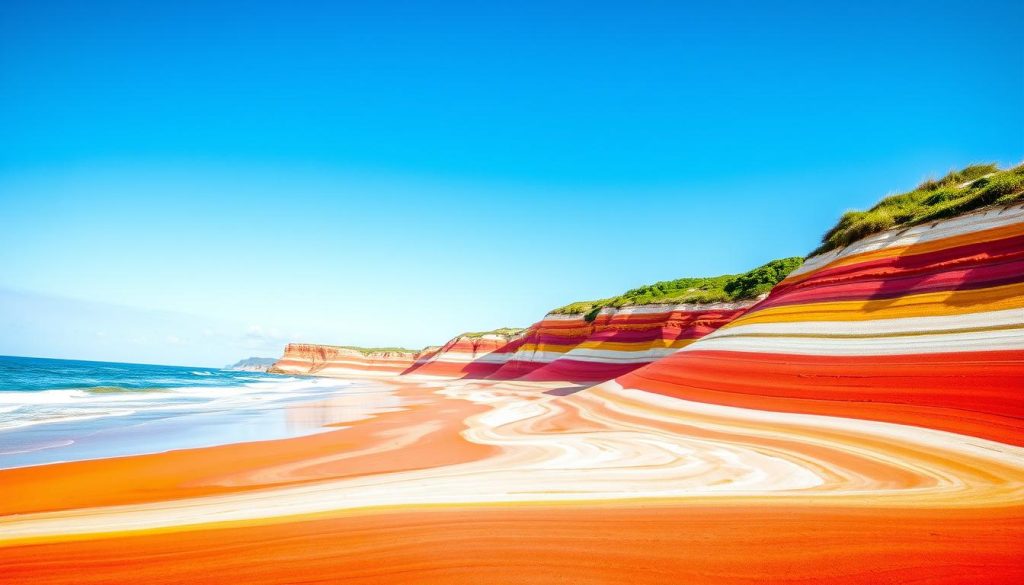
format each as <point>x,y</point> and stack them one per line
<point>49,426</point>
<point>37,417</point>
<point>23,409</point>
<point>41,397</point>
<point>39,447</point>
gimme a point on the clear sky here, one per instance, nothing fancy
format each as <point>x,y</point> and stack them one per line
<point>196,182</point>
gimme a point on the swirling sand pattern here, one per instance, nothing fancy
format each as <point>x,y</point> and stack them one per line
<point>860,425</point>
<point>606,467</point>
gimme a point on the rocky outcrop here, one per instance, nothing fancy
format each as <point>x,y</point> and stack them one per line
<point>343,361</point>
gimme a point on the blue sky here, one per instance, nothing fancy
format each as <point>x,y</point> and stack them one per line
<point>195,182</point>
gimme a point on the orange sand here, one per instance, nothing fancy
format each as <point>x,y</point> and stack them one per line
<point>594,544</point>
<point>366,447</point>
<point>858,537</point>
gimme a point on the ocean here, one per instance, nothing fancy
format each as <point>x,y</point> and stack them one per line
<point>55,410</point>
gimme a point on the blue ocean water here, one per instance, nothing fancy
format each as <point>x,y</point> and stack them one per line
<point>28,374</point>
<point>65,410</point>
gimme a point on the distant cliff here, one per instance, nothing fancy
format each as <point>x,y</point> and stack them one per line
<point>580,342</point>
<point>253,364</point>
<point>344,360</point>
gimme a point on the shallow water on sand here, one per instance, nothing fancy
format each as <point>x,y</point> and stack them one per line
<point>65,410</point>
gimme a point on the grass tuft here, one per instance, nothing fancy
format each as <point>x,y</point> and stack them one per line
<point>958,192</point>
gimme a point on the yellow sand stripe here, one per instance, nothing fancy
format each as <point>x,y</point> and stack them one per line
<point>942,303</point>
<point>875,335</point>
<point>635,346</point>
<point>609,345</point>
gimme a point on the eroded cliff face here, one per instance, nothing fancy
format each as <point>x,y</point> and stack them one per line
<point>558,348</point>
<point>332,360</point>
<point>465,357</point>
<point>921,326</point>
<point>571,348</point>
<point>621,340</point>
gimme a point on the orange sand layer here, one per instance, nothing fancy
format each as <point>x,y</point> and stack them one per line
<point>549,544</point>
<point>425,434</point>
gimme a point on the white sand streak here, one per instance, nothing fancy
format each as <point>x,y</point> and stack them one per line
<point>634,449</point>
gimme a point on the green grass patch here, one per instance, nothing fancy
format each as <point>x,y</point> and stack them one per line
<point>959,192</point>
<point>714,289</point>
<point>370,350</point>
<point>503,331</point>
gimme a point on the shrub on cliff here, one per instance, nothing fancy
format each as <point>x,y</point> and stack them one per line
<point>761,279</point>
<point>958,192</point>
<point>714,289</point>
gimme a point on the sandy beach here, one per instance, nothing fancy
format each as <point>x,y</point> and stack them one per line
<point>504,483</point>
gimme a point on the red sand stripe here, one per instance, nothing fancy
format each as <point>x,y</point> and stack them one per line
<point>975,393</point>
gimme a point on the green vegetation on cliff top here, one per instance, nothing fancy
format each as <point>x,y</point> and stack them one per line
<point>370,350</point>
<point>958,192</point>
<point>714,289</point>
<point>502,331</point>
